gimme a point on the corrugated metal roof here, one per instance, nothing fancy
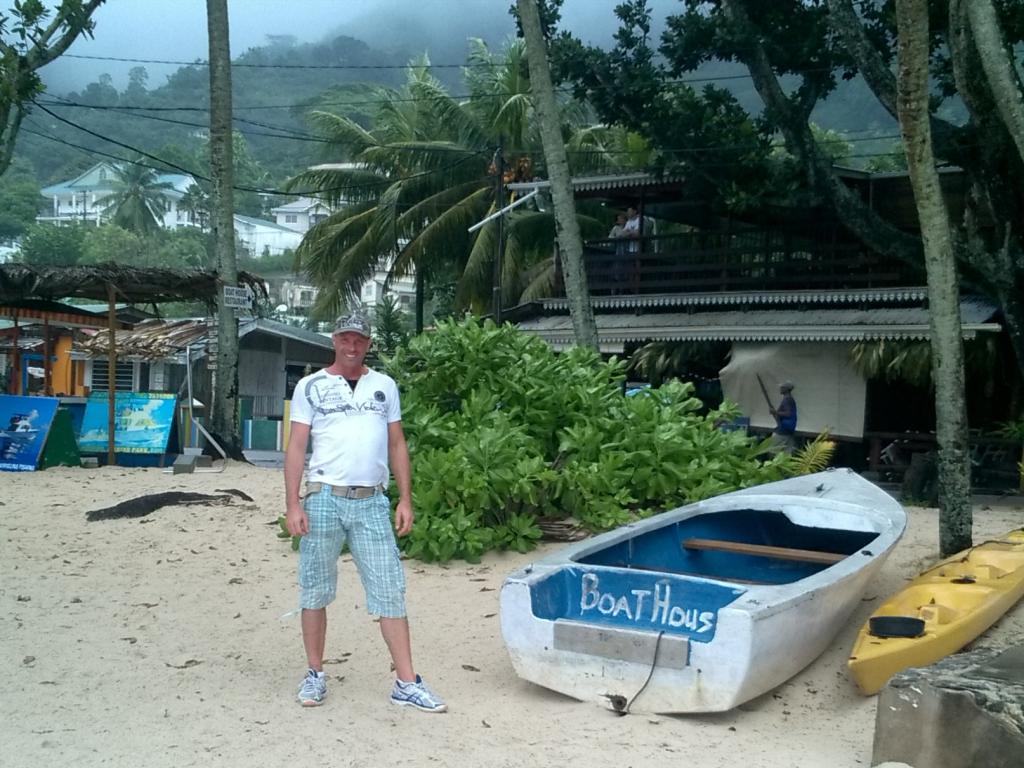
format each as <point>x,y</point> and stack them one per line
<point>292,332</point>
<point>178,181</point>
<point>597,183</point>
<point>837,324</point>
<point>299,206</point>
<point>254,222</point>
<point>150,340</point>
<point>750,298</point>
<point>41,311</point>
<point>159,339</point>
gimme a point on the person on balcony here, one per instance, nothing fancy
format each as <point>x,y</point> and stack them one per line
<point>618,231</point>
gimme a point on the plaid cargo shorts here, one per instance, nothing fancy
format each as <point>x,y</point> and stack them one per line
<point>366,525</point>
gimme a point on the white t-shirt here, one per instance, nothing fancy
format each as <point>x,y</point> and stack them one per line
<point>349,429</point>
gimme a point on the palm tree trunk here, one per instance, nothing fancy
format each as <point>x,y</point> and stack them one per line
<point>570,242</point>
<point>225,395</point>
<point>943,286</point>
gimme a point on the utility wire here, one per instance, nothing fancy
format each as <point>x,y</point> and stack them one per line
<point>384,67</point>
<point>469,155</point>
<point>238,65</point>
<point>295,135</point>
<point>413,99</point>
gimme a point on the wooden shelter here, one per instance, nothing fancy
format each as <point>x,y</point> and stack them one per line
<point>112,282</point>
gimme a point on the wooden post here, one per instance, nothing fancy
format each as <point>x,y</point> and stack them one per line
<point>111,373</point>
<point>15,386</point>
<point>47,388</point>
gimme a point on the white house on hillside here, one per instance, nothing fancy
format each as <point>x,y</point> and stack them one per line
<point>261,237</point>
<point>302,214</point>
<point>78,199</point>
<point>300,296</point>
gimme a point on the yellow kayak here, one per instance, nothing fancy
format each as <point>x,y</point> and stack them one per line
<point>940,611</point>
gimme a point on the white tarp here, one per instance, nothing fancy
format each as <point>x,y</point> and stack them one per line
<point>829,393</point>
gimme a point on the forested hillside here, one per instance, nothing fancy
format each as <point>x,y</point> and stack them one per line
<point>272,84</point>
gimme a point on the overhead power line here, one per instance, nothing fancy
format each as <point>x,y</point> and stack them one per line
<point>413,99</point>
<point>467,155</point>
<point>241,65</point>
<point>312,138</point>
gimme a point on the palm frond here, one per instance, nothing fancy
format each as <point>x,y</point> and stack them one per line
<point>813,457</point>
<point>322,252</point>
<point>460,126</point>
<point>447,235</point>
<point>340,185</point>
<point>343,132</point>
<point>540,281</point>
<point>478,274</point>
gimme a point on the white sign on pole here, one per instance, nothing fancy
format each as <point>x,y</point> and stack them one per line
<point>237,298</point>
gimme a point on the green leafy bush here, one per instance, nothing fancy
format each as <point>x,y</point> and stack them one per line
<point>503,431</point>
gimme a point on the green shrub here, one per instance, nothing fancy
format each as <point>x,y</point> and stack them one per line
<point>503,431</point>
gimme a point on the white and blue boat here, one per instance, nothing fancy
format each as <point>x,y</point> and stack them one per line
<point>704,607</point>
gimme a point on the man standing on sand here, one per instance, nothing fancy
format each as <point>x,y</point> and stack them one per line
<point>354,417</point>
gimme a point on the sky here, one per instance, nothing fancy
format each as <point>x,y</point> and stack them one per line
<point>176,29</point>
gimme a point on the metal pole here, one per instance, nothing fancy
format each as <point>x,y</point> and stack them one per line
<point>16,376</point>
<point>47,388</point>
<point>188,379</point>
<point>111,373</point>
<point>499,257</point>
<point>420,287</point>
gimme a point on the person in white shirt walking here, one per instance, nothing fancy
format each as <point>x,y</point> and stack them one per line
<point>354,417</point>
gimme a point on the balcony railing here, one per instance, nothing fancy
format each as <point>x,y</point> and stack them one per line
<point>712,262</point>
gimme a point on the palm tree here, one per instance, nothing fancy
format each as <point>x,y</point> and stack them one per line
<point>137,199</point>
<point>196,202</point>
<point>413,183</point>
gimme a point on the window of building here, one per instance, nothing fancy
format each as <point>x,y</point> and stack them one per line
<point>291,218</point>
<point>124,375</point>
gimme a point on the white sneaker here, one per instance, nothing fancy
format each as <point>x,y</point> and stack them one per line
<point>313,690</point>
<point>417,694</point>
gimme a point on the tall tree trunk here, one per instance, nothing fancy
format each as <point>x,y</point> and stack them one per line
<point>1002,78</point>
<point>225,395</point>
<point>570,241</point>
<point>943,286</point>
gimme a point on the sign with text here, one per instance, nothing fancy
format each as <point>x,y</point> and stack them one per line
<point>24,424</point>
<point>237,298</point>
<point>630,599</point>
<point>142,422</point>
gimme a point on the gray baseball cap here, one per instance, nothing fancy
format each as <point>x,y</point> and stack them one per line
<point>354,322</point>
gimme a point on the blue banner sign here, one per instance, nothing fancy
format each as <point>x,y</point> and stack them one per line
<point>142,422</point>
<point>24,424</point>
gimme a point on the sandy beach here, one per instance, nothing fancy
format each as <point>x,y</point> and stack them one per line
<point>158,641</point>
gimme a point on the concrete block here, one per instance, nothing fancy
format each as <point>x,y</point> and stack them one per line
<point>184,464</point>
<point>965,711</point>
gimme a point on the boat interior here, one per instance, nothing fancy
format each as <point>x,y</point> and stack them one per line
<point>742,546</point>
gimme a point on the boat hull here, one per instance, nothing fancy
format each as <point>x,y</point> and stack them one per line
<point>716,642</point>
<point>957,599</point>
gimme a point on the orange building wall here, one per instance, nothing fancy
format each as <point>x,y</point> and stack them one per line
<point>61,375</point>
